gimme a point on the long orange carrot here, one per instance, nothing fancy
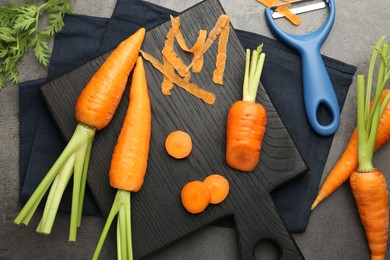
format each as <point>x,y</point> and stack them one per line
<point>348,161</point>
<point>368,184</point>
<point>129,161</point>
<point>246,119</point>
<point>95,108</point>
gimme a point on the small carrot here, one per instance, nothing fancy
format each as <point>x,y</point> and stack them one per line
<point>348,161</point>
<point>94,109</point>
<point>129,162</point>
<point>195,197</point>
<point>178,144</point>
<point>218,187</point>
<point>247,120</point>
<point>368,184</point>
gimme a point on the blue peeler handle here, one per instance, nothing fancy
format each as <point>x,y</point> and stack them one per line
<point>317,87</point>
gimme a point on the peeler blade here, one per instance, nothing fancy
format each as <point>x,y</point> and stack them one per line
<point>300,9</point>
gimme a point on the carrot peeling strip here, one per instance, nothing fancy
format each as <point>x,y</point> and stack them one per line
<point>168,51</point>
<point>192,88</point>
<point>167,85</point>
<point>284,10</point>
<point>222,22</point>
<point>221,56</point>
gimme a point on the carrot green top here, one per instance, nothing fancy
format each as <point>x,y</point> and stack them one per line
<point>253,69</point>
<point>368,118</point>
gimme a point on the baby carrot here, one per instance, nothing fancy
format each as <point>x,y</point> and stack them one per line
<point>218,187</point>
<point>195,197</point>
<point>129,162</point>
<point>247,120</point>
<point>178,144</point>
<point>94,109</point>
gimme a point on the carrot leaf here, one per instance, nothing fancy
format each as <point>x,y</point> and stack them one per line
<point>253,69</point>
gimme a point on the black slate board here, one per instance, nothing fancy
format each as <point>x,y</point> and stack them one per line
<point>158,218</point>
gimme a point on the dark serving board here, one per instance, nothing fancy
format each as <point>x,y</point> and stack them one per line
<point>158,217</point>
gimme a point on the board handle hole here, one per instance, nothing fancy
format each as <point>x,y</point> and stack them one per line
<point>267,249</point>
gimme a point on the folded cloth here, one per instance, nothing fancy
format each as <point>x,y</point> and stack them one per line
<point>77,42</point>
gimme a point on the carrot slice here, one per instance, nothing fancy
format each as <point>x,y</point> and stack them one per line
<point>192,88</point>
<point>178,144</point>
<point>218,187</point>
<point>195,197</point>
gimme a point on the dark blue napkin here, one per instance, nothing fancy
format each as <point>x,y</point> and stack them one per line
<point>84,38</point>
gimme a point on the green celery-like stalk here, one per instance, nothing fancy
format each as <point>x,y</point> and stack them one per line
<point>253,69</point>
<point>74,158</point>
<point>368,117</point>
<point>120,207</point>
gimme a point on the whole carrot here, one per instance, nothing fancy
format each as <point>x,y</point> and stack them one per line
<point>348,161</point>
<point>129,162</point>
<point>368,184</point>
<point>94,109</point>
<point>247,120</point>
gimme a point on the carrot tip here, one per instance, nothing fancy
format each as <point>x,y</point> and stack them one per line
<point>315,203</point>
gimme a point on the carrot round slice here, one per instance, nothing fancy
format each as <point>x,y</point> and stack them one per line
<point>218,187</point>
<point>195,197</point>
<point>178,144</point>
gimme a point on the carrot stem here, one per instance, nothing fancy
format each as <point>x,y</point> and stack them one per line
<point>83,135</point>
<point>120,207</point>
<point>84,183</point>
<point>253,72</point>
<point>368,117</point>
<point>382,78</point>
<point>370,75</point>
<point>54,198</point>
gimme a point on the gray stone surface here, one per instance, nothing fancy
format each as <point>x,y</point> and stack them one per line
<point>334,230</point>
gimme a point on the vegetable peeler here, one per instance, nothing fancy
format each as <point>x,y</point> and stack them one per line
<point>317,87</point>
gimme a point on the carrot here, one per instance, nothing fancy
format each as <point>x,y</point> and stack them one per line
<point>94,109</point>
<point>218,187</point>
<point>178,144</point>
<point>195,197</point>
<point>97,102</point>
<point>348,161</point>
<point>368,184</point>
<point>247,120</point>
<point>129,161</point>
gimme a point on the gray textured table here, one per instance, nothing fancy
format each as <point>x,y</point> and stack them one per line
<point>334,230</point>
